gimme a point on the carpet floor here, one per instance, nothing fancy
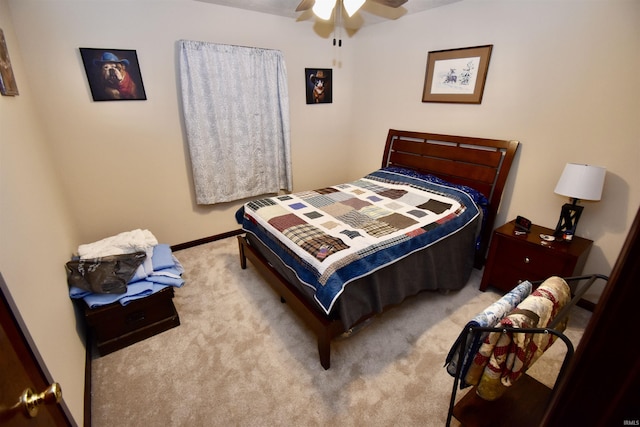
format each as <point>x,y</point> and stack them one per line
<point>241,358</point>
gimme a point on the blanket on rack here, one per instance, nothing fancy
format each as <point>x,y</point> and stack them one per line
<point>337,234</point>
<point>488,318</point>
<point>504,356</point>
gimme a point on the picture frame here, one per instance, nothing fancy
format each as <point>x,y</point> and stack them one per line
<point>8,85</point>
<point>318,85</point>
<point>457,75</point>
<point>113,74</point>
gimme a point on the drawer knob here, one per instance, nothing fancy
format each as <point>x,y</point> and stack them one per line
<point>527,260</point>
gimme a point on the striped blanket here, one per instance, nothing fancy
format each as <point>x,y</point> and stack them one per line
<point>332,236</point>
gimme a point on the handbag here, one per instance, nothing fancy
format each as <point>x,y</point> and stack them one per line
<point>104,275</point>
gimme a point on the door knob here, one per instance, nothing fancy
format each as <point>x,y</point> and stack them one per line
<point>30,401</point>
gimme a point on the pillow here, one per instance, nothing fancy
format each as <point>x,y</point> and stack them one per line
<point>477,196</point>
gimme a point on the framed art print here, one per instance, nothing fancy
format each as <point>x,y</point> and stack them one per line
<point>318,85</point>
<point>456,75</point>
<point>113,74</point>
<point>8,86</point>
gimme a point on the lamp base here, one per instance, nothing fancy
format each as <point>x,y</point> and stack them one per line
<point>568,220</point>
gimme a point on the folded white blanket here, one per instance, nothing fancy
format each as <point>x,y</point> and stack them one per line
<point>123,243</point>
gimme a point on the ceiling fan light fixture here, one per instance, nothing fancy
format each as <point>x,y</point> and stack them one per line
<point>352,6</point>
<point>324,8</point>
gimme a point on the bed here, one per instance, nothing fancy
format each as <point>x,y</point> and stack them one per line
<point>428,212</point>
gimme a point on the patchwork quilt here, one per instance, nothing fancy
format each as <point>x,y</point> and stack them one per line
<point>464,352</point>
<point>504,357</point>
<point>334,235</point>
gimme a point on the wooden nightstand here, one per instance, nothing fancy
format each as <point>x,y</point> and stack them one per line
<point>513,258</point>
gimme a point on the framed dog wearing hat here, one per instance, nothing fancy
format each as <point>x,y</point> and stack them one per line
<point>113,74</point>
<point>318,81</point>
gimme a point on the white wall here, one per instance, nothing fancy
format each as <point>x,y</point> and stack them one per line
<point>562,80</point>
<point>74,171</point>
<point>125,164</point>
<point>37,233</point>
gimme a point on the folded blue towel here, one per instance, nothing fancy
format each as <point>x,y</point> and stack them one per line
<point>162,257</point>
<point>154,288</point>
<point>139,289</point>
<point>77,293</point>
<point>168,280</point>
<point>140,273</point>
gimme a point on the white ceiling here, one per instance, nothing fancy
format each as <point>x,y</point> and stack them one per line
<point>370,13</point>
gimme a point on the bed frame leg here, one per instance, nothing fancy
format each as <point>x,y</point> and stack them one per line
<point>243,258</point>
<point>324,349</point>
<point>323,328</point>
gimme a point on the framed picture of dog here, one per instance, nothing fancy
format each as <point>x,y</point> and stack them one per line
<point>8,86</point>
<point>113,74</point>
<point>318,85</point>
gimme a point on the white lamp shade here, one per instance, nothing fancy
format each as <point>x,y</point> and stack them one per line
<point>323,8</point>
<point>352,6</point>
<point>583,182</point>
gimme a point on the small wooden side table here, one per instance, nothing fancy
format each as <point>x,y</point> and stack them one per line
<point>115,326</point>
<point>514,258</point>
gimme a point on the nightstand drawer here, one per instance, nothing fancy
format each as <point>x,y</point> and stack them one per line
<point>536,260</point>
<point>507,276</point>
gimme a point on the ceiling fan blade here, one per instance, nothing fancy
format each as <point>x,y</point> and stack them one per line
<point>305,5</point>
<point>391,3</point>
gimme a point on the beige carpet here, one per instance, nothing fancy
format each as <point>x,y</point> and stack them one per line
<point>241,358</point>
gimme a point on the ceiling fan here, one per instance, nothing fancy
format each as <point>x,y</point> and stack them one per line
<point>324,8</point>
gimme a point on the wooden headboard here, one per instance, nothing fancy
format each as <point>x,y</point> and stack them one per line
<point>480,163</point>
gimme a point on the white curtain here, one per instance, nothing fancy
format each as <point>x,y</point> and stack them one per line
<point>236,112</point>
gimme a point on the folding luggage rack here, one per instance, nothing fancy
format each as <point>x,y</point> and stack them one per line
<point>527,395</point>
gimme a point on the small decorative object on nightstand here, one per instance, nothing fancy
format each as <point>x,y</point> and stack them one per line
<point>514,257</point>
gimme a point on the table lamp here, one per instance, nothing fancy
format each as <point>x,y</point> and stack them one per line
<point>577,182</point>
